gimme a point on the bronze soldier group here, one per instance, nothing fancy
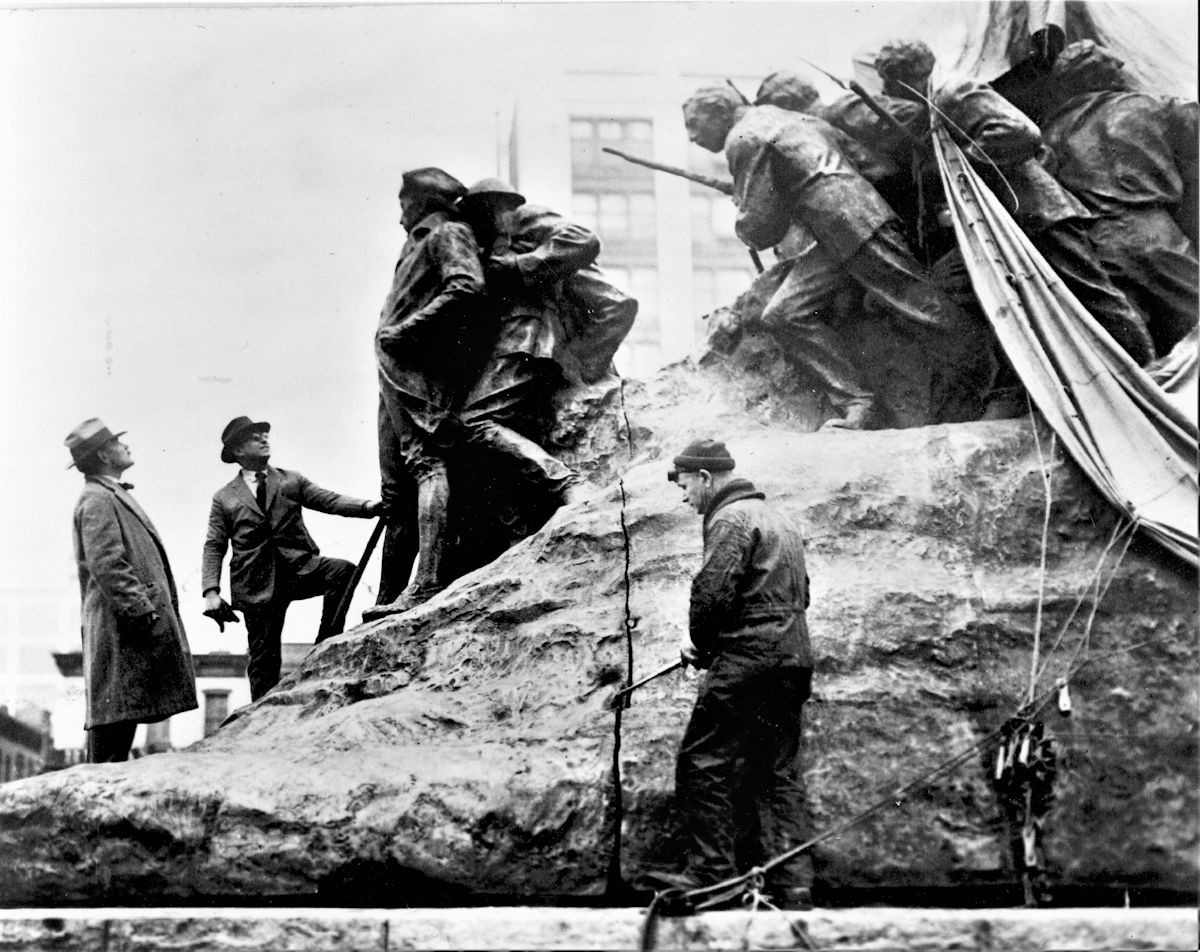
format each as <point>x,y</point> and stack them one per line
<point>1105,190</point>
<point>496,304</point>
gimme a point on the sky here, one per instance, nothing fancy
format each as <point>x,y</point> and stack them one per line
<point>199,222</point>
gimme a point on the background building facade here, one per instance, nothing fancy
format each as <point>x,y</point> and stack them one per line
<point>667,241</point>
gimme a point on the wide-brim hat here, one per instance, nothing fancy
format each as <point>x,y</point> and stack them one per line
<point>492,191</point>
<point>88,437</point>
<point>235,431</point>
<point>710,455</point>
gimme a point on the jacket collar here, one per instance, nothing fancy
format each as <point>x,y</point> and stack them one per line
<point>238,485</point>
<point>428,224</point>
<point>734,491</point>
<point>108,484</point>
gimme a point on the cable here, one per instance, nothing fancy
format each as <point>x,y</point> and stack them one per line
<point>1037,622</point>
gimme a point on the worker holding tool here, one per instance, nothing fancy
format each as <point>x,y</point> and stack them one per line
<point>747,628</point>
<point>275,561</point>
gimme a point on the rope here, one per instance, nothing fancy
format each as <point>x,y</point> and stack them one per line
<point>963,132</point>
<point>1046,481</point>
<point>1027,712</point>
<point>1121,527</point>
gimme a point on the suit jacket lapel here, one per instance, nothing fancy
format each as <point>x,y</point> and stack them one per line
<point>273,481</point>
<point>242,491</point>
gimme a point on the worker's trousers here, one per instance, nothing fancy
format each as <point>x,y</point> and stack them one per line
<point>739,772</point>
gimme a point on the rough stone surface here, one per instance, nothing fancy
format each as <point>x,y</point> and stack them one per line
<point>466,749</point>
<point>256,930</point>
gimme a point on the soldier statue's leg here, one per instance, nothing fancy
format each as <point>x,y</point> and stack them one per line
<point>1152,261</point>
<point>1066,247</point>
<point>399,497</point>
<point>424,461</point>
<point>802,315</point>
<point>504,422</point>
<point>896,281</point>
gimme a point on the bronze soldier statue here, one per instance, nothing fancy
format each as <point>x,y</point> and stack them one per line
<point>881,153</point>
<point>432,339</point>
<point>508,411</point>
<point>789,168</point>
<point>1131,158</point>
<point>1006,149</point>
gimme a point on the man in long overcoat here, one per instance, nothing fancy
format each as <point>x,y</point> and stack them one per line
<point>137,668</point>
<point>259,514</point>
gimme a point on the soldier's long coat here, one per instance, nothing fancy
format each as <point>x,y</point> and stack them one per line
<point>129,674</point>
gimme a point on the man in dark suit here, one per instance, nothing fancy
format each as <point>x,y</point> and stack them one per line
<point>275,561</point>
<point>137,668</point>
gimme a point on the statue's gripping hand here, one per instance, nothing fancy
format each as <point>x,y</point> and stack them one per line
<point>392,337</point>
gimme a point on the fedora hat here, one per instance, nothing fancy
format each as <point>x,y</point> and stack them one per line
<point>235,431</point>
<point>88,437</point>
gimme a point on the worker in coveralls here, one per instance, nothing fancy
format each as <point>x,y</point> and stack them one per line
<point>747,628</point>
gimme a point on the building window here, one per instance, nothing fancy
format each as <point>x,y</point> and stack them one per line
<point>716,287</point>
<point>158,737</point>
<point>216,709</point>
<point>616,199</point>
<point>713,218</point>
<point>589,136</point>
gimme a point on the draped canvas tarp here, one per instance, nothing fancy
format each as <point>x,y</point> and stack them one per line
<point>987,39</point>
<point>1126,432</point>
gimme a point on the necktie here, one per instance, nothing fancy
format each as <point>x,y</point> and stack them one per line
<point>260,490</point>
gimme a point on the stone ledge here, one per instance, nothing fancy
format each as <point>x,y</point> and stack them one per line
<point>388,930</point>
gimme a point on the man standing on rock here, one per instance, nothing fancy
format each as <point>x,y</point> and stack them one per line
<point>789,168</point>
<point>137,668</point>
<point>747,627</point>
<point>275,561</point>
